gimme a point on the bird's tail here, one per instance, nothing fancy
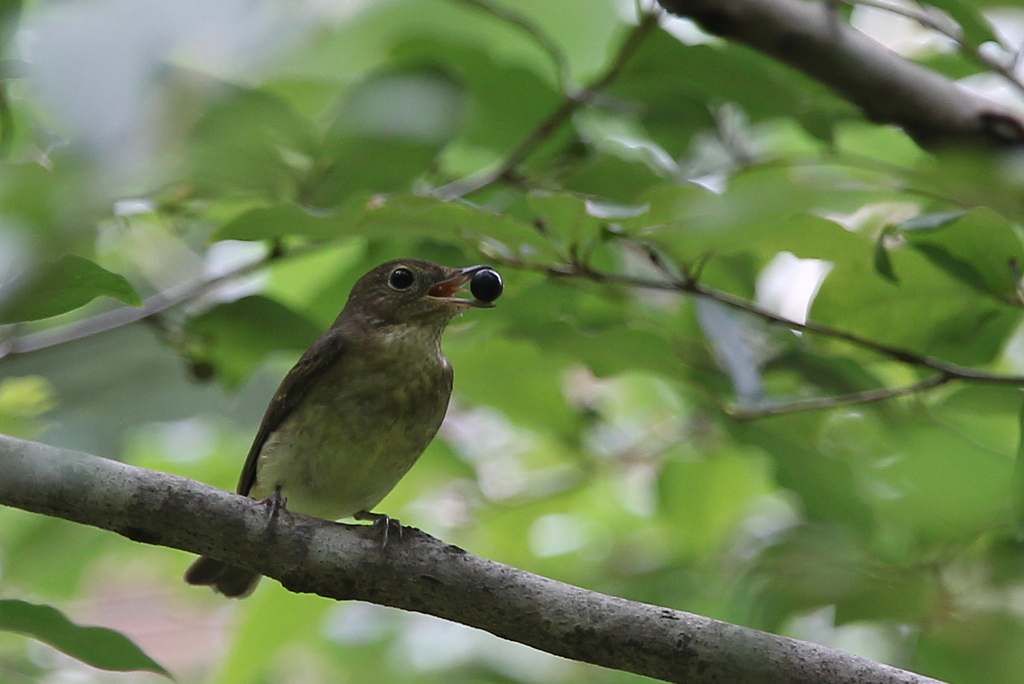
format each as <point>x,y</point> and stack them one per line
<point>232,581</point>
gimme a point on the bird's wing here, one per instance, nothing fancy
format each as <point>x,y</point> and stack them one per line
<point>317,358</point>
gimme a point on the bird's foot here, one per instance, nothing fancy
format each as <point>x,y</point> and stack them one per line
<point>384,522</point>
<point>275,503</point>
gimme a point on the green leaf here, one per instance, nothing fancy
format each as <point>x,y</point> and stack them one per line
<point>828,374</point>
<point>983,646</point>
<point>827,487</point>
<point>762,212</point>
<point>507,101</point>
<point>882,262</point>
<point>976,29</point>
<point>944,487</point>
<point>931,221</point>
<point>96,646</point>
<point>273,617</point>
<point>988,415</point>
<point>10,18</point>
<point>972,177</point>
<point>890,592</point>
<point>565,220</point>
<point>278,220</point>
<point>387,133</point>
<point>928,311</point>
<point>237,336</point>
<point>250,140</point>
<point>22,401</point>
<point>1017,491</point>
<point>952,65</point>
<point>890,145</point>
<point>977,247</point>
<point>62,286</point>
<point>456,222</point>
<point>399,217</point>
<point>597,323</point>
<point>611,177</point>
<point>492,374</point>
<point>706,499</point>
<point>676,87</point>
<point>807,566</point>
<point>929,481</point>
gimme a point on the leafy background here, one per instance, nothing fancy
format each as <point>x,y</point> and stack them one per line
<point>631,418</point>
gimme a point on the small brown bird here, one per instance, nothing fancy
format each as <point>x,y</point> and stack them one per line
<point>361,405</point>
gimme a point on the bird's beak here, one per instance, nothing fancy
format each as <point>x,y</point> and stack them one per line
<point>446,290</point>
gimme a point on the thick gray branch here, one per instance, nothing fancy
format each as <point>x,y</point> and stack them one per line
<point>812,37</point>
<point>416,572</point>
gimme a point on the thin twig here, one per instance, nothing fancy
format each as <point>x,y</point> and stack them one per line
<point>951,30</point>
<point>818,403</point>
<point>573,101</point>
<point>945,368</point>
<point>6,120</point>
<point>126,315</point>
<point>108,320</point>
<point>523,23</point>
<point>902,355</point>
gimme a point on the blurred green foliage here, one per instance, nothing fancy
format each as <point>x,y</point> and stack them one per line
<point>96,646</point>
<point>241,185</point>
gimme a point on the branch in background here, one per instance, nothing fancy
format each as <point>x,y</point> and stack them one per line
<point>6,119</point>
<point>573,101</point>
<point>416,572</point>
<point>524,24</point>
<point>126,315</point>
<point>812,38</point>
<point>949,29</point>
<point>796,31</point>
<point>819,403</point>
<point>187,292</point>
<point>946,371</point>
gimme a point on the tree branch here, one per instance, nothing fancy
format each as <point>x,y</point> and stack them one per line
<point>813,38</point>
<point>945,371</point>
<point>949,29</point>
<point>573,101</point>
<point>6,120</point>
<point>418,573</point>
<point>819,403</point>
<point>952,371</point>
<point>523,23</point>
<point>126,315</point>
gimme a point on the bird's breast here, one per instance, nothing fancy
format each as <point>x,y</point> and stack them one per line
<point>358,429</point>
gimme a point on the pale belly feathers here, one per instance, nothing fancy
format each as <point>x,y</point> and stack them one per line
<point>333,463</point>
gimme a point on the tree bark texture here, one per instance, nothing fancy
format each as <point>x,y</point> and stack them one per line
<point>813,38</point>
<point>416,572</point>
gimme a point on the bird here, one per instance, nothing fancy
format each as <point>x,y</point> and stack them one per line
<point>360,405</point>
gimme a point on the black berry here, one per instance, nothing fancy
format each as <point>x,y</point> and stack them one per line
<point>486,285</point>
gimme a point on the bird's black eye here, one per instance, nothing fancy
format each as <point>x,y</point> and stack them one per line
<point>401,279</point>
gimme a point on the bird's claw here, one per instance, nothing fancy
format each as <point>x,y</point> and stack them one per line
<point>275,503</point>
<point>384,522</point>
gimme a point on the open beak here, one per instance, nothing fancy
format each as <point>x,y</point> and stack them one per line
<point>447,289</point>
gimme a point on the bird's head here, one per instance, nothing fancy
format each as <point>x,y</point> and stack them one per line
<point>417,292</point>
